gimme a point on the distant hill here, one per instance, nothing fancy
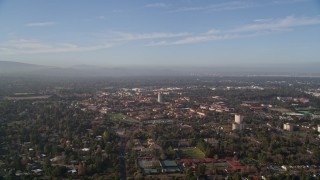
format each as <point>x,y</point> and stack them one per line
<point>10,64</point>
<point>18,67</point>
<point>25,69</point>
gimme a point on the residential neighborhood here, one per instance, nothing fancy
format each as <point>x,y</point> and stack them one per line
<point>157,131</point>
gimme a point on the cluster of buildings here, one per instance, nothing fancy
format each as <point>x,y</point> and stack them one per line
<point>291,99</point>
<point>151,104</point>
<point>154,106</point>
<point>291,127</point>
<point>151,166</point>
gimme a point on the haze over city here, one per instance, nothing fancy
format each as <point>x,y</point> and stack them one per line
<point>182,33</point>
<point>160,89</point>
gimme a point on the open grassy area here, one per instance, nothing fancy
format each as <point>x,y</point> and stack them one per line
<point>117,116</point>
<point>27,97</point>
<point>281,110</point>
<point>13,123</point>
<point>193,153</point>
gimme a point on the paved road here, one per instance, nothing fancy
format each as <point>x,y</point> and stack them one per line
<point>122,162</point>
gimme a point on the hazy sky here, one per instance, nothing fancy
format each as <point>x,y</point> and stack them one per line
<point>159,32</point>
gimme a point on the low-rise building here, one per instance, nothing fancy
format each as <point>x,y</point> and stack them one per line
<point>288,127</point>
